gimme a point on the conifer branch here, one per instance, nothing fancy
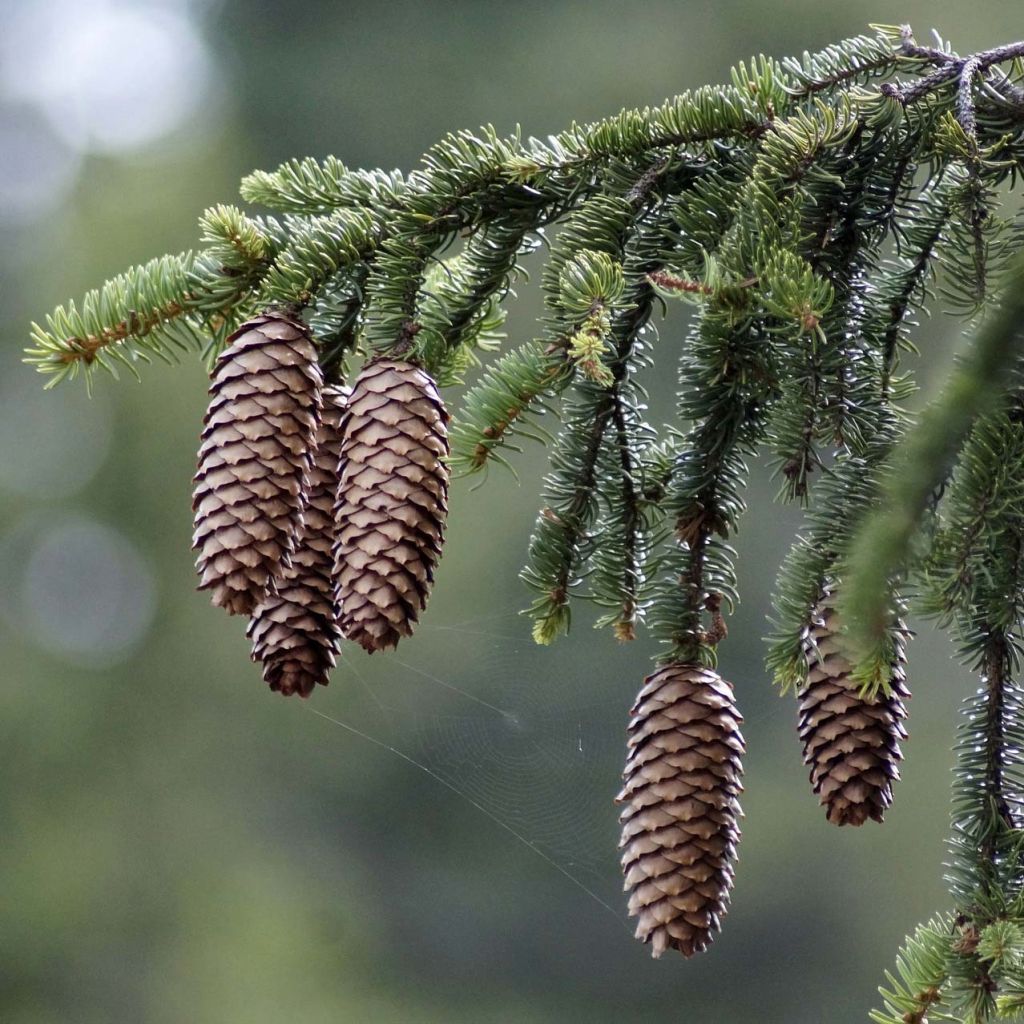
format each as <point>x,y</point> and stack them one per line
<point>585,293</point>
<point>981,511</point>
<point>905,286</point>
<point>848,489</point>
<point>769,204</point>
<point>630,574</point>
<point>729,383</point>
<point>146,307</point>
<point>317,249</point>
<point>915,993</point>
<point>562,525</point>
<point>856,60</point>
<point>616,302</point>
<point>964,71</point>
<point>881,547</point>
<point>493,412</point>
<point>313,187</point>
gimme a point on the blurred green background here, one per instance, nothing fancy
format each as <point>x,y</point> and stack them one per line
<point>179,844</point>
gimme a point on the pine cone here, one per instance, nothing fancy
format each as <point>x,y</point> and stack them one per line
<point>679,829</point>
<point>257,440</point>
<point>392,502</point>
<point>295,632</point>
<point>851,744</point>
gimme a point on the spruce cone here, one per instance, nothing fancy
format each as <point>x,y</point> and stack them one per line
<point>295,632</point>
<point>257,439</point>
<point>679,829</point>
<point>392,502</point>
<point>851,744</point>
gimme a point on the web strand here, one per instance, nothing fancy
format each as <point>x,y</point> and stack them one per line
<point>383,745</point>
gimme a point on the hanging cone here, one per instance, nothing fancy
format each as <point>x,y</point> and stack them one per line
<point>851,744</point>
<point>257,439</point>
<point>295,632</point>
<point>679,828</point>
<point>392,502</point>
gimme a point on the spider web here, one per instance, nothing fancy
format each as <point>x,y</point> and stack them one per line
<point>534,740</point>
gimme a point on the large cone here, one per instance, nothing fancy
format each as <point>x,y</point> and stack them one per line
<point>295,632</point>
<point>392,502</point>
<point>851,744</point>
<point>256,448</point>
<point>679,828</point>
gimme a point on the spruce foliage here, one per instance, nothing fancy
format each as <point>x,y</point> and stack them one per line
<point>810,211</point>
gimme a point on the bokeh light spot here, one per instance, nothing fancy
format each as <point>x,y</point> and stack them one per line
<point>37,168</point>
<point>87,594</point>
<point>110,76</point>
<point>54,442</point>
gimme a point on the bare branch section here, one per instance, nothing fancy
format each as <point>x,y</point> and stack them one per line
<point>965,71</point>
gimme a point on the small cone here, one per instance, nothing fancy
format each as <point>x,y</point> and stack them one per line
<point>392,502</point>
<point>679,827</point>
<point>257,439</point>
<point>295,632</point>
<point>851,744</point>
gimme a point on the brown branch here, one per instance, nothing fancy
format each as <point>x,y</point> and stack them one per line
<point>964,69</point>
<point>494,432</point>
<point>839,77</point>
<point>996,659</point>
<point>965,112</point>
<point>624,628</point>
<point>673,283</point>
<point>133,326</point>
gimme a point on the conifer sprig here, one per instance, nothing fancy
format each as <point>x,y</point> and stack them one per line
<point>315,187</point>
<point>809,210</point>
<point>141,313</point>
<point>914,994</point>
<point>882,544</point>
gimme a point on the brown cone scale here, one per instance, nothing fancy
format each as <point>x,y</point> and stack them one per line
<point>680,824</point>
<point>392,502</point>
<point>258,435</point>
<point>294,631</point>
<point>851,744</point>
